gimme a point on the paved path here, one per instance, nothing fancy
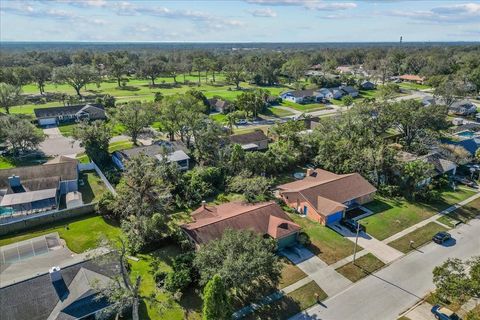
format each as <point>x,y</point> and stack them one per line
<point>431,219</point>
<point>420,312</point>
<point>324,275</point>
<point>381,250</point>
<point>390,291</point>
<point>56,144</point>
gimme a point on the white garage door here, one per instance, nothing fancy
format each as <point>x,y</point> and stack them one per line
<point>47,121</point>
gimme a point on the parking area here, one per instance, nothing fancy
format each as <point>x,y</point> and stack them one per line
<point>56,144</point>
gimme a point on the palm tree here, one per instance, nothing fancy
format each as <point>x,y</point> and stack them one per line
<point>230,120</point>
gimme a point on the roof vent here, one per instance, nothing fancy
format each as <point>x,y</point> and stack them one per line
<point>55,273</point>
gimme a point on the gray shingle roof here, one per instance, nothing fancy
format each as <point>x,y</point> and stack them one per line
<point>250,137</point>
<point>63,111</point>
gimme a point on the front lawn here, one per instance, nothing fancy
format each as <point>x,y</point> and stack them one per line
<point>419,237</point>
<point>304,107</point>
<point>277,112</point>
<point>462,214</point>
<point>80,234</point>
<point>8,162</point>
<point>290,274</point>
<point>326,243</point>
<point>395,215</point>
<point>92,188</point>
<point>290,304</point>
<point>363,267</point>
<point>119,145</point>
<point>67,129</point>
<point>413,86</point>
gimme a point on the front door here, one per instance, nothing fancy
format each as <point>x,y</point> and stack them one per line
<point>305,209</point>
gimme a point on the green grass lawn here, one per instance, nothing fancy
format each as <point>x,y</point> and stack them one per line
<point>420,237</point>
<point>290,274</point>
<point>8,162</point>
<point>67,129</point>
<point>304,107</point>
<point>363,267</point>
<point>120,145</point>
<point>93,187</point>
<point>394,215</point>
<point>326,243</point>
<point>276,112</point>
<point>80,234</point>
<point>462,214</point>
<point>413,86</point>
<point>290,304</point>
<point>219,117</point>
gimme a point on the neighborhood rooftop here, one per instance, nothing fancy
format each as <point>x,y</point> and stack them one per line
<point>67,110</point>
<point>250,137</point>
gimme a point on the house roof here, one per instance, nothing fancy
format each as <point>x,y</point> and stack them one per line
<point>247,138</point>
<point>38,298</point>
<point>349,89</point>
<point>218,103</point>
<point>462,104</point>
<point>175,156</point>
<point>327,192</point>
<point>41,176</point>
<point>63,111</point>
<point>411,77</point>
<point>471,145</point>
<point>156,151</point>
<point>12,199</point>
<point>301,93</point>
<point>264,218</point>
<point>440,164</point>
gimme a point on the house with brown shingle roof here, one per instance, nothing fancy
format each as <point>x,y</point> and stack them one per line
<point>251,141</point>
<point>412,78</point>
<point>266,218</point>
<point>325,196</point>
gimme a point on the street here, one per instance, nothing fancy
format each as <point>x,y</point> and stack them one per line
<point>392,290</point>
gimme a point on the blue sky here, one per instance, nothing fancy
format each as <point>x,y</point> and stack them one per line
<point>248,20</point>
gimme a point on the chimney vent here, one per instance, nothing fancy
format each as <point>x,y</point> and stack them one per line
<point>14,181</point>
<point>204,204</point>
<point>309,172</point>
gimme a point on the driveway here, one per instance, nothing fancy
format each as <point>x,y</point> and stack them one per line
<point>392,290</point>
<point>55,144</point>
<point>325,276</point>
<point>379,249</point>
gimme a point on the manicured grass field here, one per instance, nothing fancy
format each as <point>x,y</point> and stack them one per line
<point>291,304</point>
<point>290,274</point>
<point>394,215</point>
<point>93,187</point>
<point>80,234</point>
<point>326,243</point>
<point>303,107</point>
<point>67,129</point>
<point>7,162</point>
<point>420,237</point>
<point>363,267</point>
<point>277,112</point>
<point>119,145</point>
<point>413,86</point>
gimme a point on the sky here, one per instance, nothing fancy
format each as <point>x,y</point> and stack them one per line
<point>239,21</point>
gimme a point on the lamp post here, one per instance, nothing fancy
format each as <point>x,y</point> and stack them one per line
<point>356,241</point>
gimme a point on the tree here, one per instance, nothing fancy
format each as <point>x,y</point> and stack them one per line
<point>135,116</point>
<point>347,100</point>
<point>234,74</point>
<point>75,75</point>
<point>243,259</point>
<point>295,68</point>
<point>251,102</point>
<point>9,96</point>
<point>121,292</point>
<point>199,65</point>
<point>117,66</point>
<point>255,189</point>
<point>388,91</point>
<point>208,142</point>
<point>20,134</point>
<point>95,138</point>
<point>41,74</point>
<point>108,101</point>
<point>216,302</point>
<point>152,68</point>
<point>414,174</point>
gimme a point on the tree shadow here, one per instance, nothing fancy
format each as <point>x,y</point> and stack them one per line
<point>191,301</point>
<point>281,309</point>
<point>128,88</point>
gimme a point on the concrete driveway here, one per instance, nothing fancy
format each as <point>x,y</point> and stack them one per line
<point>325,276</point>
<point>379,249</point>
<point>55,144</point>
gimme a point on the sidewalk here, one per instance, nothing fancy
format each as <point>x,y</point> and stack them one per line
<point>431,219</point>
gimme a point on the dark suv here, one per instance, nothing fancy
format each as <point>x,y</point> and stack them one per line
<point>441,237</point>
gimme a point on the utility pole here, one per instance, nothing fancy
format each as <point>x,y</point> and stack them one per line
<point>356,241</point>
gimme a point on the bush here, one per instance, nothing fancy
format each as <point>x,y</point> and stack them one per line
<point>160,277</point>
<point>183,273</point>
<point>304,239</point>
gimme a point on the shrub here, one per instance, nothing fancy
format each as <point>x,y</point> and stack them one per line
<point>304,239</point>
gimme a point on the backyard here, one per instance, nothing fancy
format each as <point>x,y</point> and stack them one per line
<point>91,186</point>
<point>394,215</point>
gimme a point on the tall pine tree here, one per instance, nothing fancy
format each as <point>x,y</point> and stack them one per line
<point>216,303</point>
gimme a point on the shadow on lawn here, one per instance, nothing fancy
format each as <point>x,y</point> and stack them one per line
<point>378,206</point>
<point>284,308</point>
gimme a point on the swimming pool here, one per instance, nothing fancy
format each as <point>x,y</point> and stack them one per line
<point>466,134</point>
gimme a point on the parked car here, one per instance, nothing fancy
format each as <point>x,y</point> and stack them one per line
<point>465,181</point>
<point>443,313</point>
<point>352,225</point>
<point>441,237</point>
<point>242,122</point>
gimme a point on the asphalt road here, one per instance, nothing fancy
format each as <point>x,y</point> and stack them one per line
<point>392,290</point>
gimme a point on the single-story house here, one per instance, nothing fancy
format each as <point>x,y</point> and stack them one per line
<point>173,151</point>
<point>251,141</point>
<point>222,106</point>
<point>349,90</point>
<point>345,69</point>
<point>463,108</point>
<point>38,188</point>
<point>325,196</point>
<point>62,293</point>
<point>266,219</point>
<point>412,78</point>
<point>302,96</point>
<point>457,121</point>
<point>56,115</point>
<point>367,85</point>
<point>441,165</point>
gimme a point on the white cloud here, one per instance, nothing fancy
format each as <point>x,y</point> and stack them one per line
<point>308,4</point>
<point>464,13</point>
<point>263,13</point>
<point>472,9</point>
